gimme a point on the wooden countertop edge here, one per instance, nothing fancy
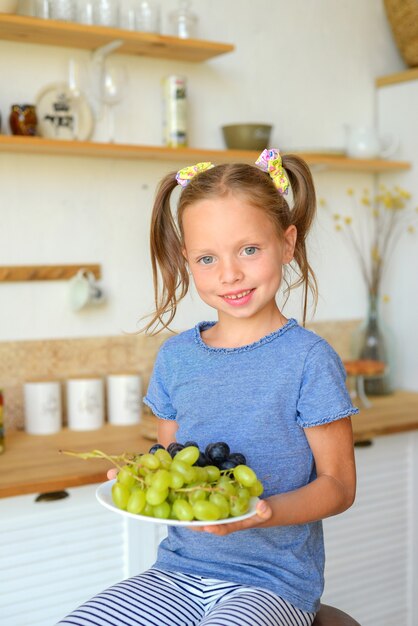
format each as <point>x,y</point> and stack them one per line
<point>58,484</point>
<point>32,463</point>
<point>380,431</point>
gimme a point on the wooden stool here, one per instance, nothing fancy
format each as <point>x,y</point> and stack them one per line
<point>329,616</point>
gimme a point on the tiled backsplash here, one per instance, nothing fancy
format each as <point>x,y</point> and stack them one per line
<point>59,359</point>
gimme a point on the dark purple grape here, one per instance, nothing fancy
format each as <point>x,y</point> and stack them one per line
<point>191,443</point>
<point>173,448</point>
<point>202,461</point>
<point>226,465</point>
<point>237,458</point>
<point>155,447</point>
<point>217,452</point>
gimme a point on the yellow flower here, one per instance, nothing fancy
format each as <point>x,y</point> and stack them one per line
<point>348,220</point>
<point>365,201</point>
<point>386,298</point>
<point>375,254</point>
<point>338,227</point>
<point>411,229</point>
<point>336,216</point>
<point>350,191</point>
<point>322,202</point>
<point>376,213</point>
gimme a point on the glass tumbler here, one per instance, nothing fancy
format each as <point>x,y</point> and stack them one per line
<point>183,23</point>
<point>127,15</point>
<point>41,9</point>
<point>106,13</point>
<point>62,10</point>
<point>147,16</point>
<point>84,12</point>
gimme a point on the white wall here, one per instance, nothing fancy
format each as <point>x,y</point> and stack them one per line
<point>307,67</point>
<point>402,98</point>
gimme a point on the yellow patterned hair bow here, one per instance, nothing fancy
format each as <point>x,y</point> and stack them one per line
<point>184,176</point>
<point>270,161</point>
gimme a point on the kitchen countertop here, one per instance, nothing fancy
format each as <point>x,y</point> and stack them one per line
<point>34,464</point>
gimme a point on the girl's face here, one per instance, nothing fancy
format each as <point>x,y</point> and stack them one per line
<point>235,255</point>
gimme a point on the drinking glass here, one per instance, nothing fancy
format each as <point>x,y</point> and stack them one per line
<point>84,12</point>
<point>183,22</point>
<point>127,15</point>
<point>106,13</point>
<point>62,10</point>
<point>112,88</point>
<point>41,9</point>
<point>147,16</point>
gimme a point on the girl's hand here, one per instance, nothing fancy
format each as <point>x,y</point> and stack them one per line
<point>112,473</point>
<point>263,514</point>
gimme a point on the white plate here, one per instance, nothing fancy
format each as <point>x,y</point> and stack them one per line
<point>60,116</point>
<point>104,496</point>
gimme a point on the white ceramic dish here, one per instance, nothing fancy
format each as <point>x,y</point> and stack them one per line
<point>104,496</point>
<point>61,116</point>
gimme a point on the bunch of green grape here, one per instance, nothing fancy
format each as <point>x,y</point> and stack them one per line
<point>173,487</point>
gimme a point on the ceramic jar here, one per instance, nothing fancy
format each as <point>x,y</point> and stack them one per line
<point>22,119</point>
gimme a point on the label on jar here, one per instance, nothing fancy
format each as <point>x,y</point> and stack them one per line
<point>175,111</point>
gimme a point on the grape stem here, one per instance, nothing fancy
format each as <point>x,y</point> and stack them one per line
<point>98,454</point>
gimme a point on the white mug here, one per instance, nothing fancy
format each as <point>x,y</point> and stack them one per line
<point>85,291</point>
<point>85,403</point>
<point>124,399</point>
<point>42,401</point>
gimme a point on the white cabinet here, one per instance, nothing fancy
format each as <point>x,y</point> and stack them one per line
<point>371,549</point>
<point>55,555</point>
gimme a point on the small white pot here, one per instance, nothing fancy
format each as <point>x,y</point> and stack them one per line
<point>8,6</point>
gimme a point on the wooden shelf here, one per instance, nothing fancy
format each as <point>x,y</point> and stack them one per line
<point>317,161</point>
<point>24,29</point>
<point>399,77</point>
<point>20,273</point>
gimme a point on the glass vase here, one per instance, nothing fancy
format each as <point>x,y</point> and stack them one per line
<point>372,341</point>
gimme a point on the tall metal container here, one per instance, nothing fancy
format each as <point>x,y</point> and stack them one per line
<point>175,111</point>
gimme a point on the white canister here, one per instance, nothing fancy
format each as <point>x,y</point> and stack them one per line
<point>42,401</point>
<point>85,403</point>
<point>124,392</point>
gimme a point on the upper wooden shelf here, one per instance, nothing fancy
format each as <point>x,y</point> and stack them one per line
<point>72,35</point>
<point>399,77</point>
<point>317,161</point>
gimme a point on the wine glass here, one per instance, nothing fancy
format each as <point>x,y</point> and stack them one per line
<point>112,88</point>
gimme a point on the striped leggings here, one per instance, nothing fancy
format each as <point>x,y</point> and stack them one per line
<point>162,598</point>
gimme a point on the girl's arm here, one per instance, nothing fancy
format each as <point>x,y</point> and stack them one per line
<point>332,492</point>
<point>166,431</point>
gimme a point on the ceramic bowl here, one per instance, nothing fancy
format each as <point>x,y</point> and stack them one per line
<point>247,136</point>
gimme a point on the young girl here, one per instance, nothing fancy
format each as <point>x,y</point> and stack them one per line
<point>269,388</point>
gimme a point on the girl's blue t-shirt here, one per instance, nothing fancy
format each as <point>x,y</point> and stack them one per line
<point>258,398</point>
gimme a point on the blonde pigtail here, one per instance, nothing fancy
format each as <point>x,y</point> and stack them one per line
<point>169,269</point>
<point>302,215</point>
